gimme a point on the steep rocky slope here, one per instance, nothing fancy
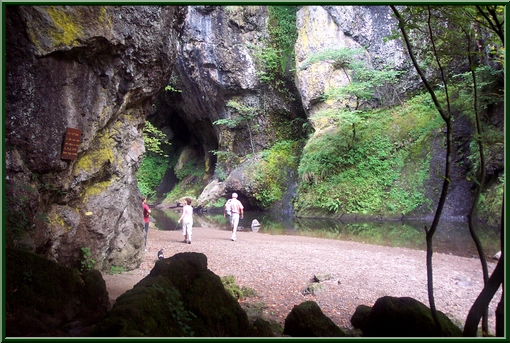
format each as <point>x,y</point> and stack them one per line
<point>95,69</point>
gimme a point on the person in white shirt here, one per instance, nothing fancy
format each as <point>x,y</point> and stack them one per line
<point>237,213</point>
<point>187,221</point>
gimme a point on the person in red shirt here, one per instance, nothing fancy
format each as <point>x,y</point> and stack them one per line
<point>237,213</point>
<point>146,219</point>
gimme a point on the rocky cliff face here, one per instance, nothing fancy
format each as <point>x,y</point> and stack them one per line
<point>96,69</point>
<point>334,27</point>
<point>104,69</point>
<point>216,77</point>
<point>99,68</point>
<point>219,63</point>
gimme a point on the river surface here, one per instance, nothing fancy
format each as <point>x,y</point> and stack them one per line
<point>451,237</point>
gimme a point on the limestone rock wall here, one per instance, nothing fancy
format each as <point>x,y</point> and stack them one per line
<point>97,69</point>
<point>219,62</point>
<point>334,27</point>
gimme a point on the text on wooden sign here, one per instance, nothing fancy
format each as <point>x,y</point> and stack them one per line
<point>71,144</point>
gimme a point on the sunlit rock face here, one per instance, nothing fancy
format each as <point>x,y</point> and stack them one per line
<point>322,28</point>
<point>96,69</point>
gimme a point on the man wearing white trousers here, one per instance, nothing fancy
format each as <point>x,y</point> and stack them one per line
<point>237,213</point>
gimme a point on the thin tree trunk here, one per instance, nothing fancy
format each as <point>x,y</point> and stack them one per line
<point>483,300</point>
<point>446,181</point>
<point>481,178</point>
<point>500,310</point>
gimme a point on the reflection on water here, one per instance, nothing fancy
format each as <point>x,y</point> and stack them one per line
<point>450,237</point>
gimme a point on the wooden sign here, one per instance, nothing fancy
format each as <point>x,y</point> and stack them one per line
<point>71,144</point>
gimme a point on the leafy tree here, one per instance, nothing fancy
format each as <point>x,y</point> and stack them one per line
<point>154,140</point>
<point>154,162</point>
<point>366,84</point>
<point>491,19</point>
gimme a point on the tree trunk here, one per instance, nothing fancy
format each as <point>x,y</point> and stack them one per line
<point>481,178</point>
<point>446,182</point>
<point>482,301</point>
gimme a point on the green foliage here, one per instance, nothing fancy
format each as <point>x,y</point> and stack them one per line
<point>172,85</point>
<point>154,140</point>
<point>490,203</point>
<point>86,260</point>
<point>490,88</point>
<point>383,173</point>
<point>283,32</point>
<point>270,57</point>
<point>242,114</point>
<point>151,172</point>
<point>365,84</point>
<point>223,158</point>
<point>192,190</point>
<point>191,168</point>
<point>154,162</point>
<point>341,58</point>
<point>178,311</point>
<point>237,292</point>
<point>17,221</point>
<point>277,57</point>
<point>273,172</point>
<point>219,204</point>
<point>172,89</point>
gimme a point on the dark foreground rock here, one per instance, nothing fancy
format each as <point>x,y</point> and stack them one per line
<point>44,298</point>
<point>179,298</point>
<point>401,317</point>
<point>308,320</point>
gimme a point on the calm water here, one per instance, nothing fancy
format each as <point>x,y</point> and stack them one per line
<point>450,237</point>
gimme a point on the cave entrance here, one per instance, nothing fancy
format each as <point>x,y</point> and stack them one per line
<point>192,143</point>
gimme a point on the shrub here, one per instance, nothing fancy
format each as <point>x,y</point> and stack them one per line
<point>381,171</point>
<point>150,173</point>
<point>237,292</point>
<point>274,171</point>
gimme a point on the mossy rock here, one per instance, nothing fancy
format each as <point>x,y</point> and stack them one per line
<point>42,296</point>
<point>405,317</point>
<point>266,328</point>
<point>360,316</point>
<point>179,298</point>
<point>308,320</point>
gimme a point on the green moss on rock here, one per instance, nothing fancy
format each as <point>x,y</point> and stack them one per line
<point>180,297</point>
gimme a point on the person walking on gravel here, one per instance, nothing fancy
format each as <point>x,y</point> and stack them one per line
<point>187,221</point>
<point>237,213</point>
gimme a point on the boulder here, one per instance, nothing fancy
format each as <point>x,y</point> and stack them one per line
<point>360,316</point>
<point>402,317</point>
<point>308,320</point>
<point>45,298</point>
<point>263,328</point>
<point>179,298</point>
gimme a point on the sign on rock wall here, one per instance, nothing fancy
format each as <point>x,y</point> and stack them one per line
<point>71,144</point>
